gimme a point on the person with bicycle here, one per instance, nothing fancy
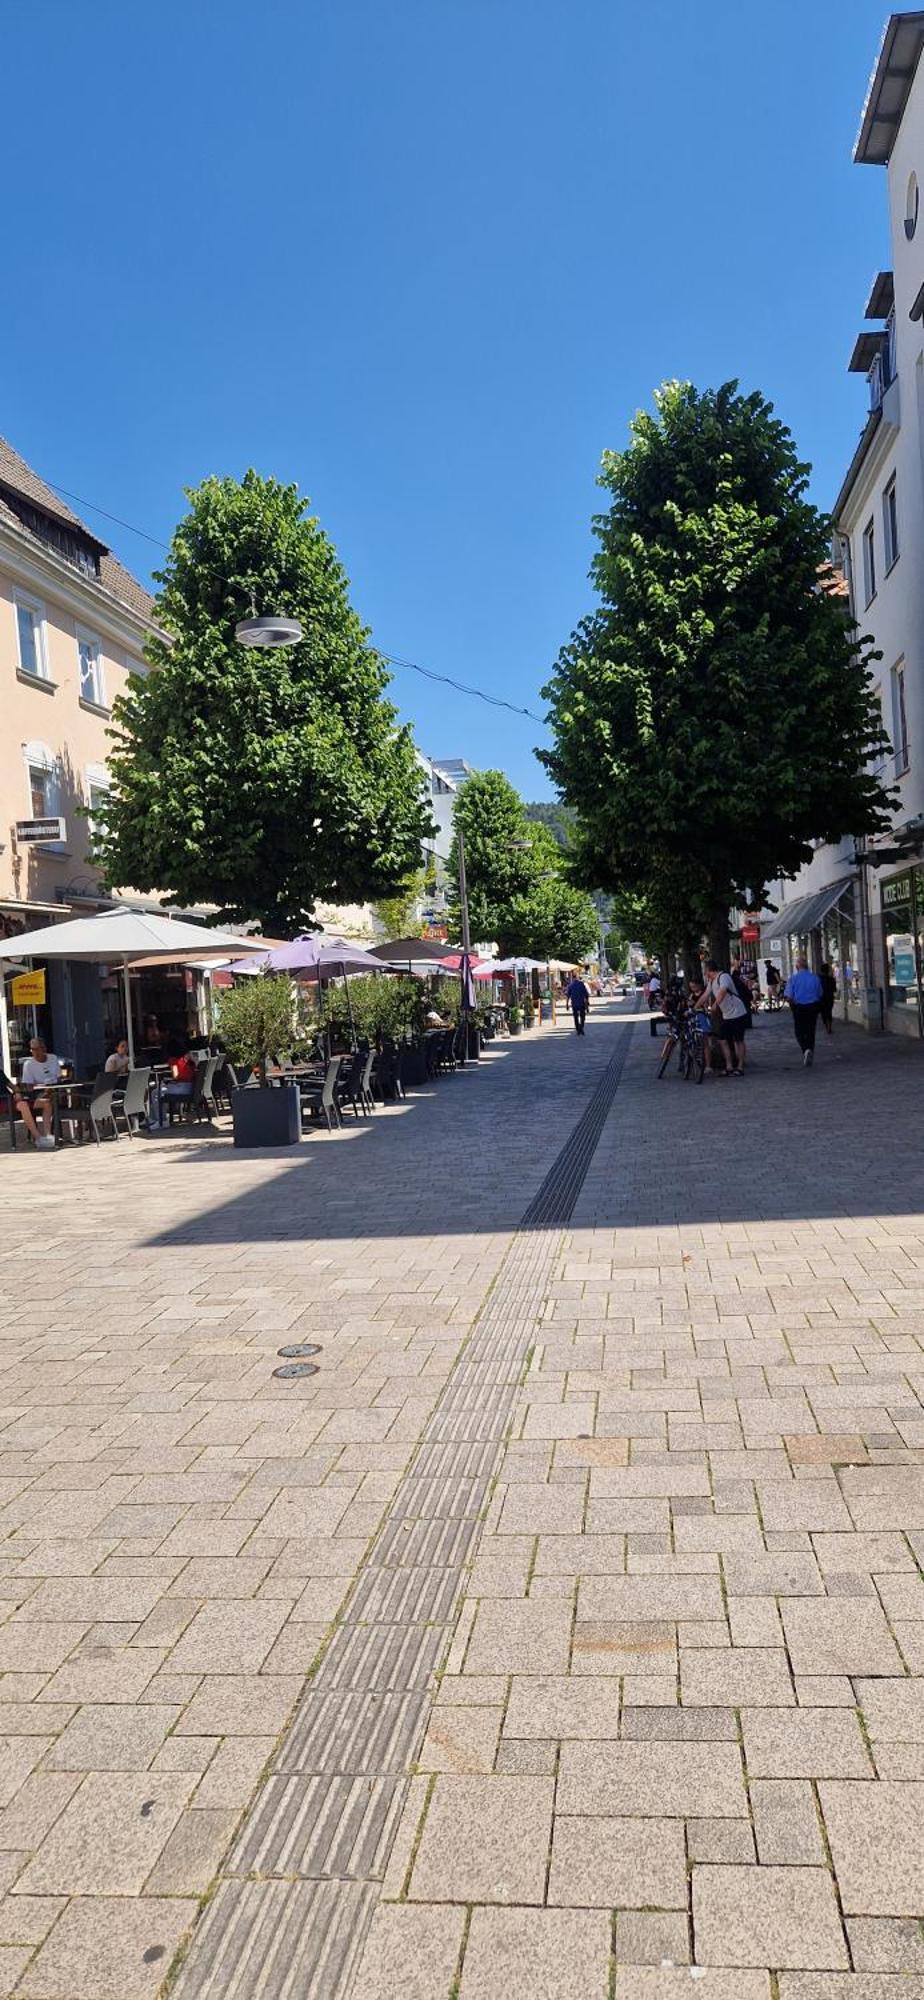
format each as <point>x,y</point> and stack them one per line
<point>731,1016</point>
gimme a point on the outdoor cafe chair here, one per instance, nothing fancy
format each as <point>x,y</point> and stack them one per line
<point>355,1083</point>
<point>446,1054</point>
<point>89,1113</point>
<point>132,1102</point>
<point>320,1100</point>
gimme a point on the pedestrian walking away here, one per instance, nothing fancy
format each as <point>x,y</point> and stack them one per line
<point>653,1000</point>
<point>828,997</point>
<point>804,991</point>
<point>578,1000</point>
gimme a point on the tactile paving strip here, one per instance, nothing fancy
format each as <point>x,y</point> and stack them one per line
<point>328,1812</point>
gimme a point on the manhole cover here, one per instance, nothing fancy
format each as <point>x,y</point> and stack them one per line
<point>293,1368</point>
<point>301,1348</point>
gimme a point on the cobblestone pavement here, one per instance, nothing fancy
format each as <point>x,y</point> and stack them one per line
<point>606,1536</point>
<point>178,1529</point>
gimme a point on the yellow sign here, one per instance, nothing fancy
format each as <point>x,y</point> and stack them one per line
<point>28,989</point>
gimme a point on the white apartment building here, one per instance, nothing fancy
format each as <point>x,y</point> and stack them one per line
<point>861,905</point>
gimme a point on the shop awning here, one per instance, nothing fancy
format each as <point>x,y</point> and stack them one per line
<point>806,912</point>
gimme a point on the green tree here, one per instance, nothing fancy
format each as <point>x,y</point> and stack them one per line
<point>553,921</point>
<point>517,891</point>
<point>399,913</point>
<point>260,781</point>
<point>715,713</point>
<point>500,855</point>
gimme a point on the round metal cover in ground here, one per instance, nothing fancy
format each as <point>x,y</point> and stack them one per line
<point>268,632</point>
<point>300,1348</point>
<point>293,1368</point>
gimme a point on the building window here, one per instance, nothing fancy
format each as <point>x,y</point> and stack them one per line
<point>98,787</point>
<point>39,785</point>
<point>890,524</point>
<point>899,720</point>
<point>43,788</point>
<point>30,632</point>
<point>869,563</point>
<point>91,669</point>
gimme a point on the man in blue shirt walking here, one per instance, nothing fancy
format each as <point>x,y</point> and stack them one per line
<point>804,991</point>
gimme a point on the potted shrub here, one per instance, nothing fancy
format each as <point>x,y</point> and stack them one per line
<point>529,1010</point>
<point>258,1019</point>
<point>514,1017</point>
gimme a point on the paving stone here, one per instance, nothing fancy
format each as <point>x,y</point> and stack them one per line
<point>120,1737</point>
<point>652,1937</point>
<point>639,1982</point>
<point>786,1916</point>
<point>485,1840</point>
<point>785,1821</point>
<point>720,1840</point>
<point>735,1676</point>
<point>461,1739</point>
<point>838,1637</point>
<point>811,1743</point>
<point>191,1858</point>
<point>522,1636</point>
<point>849,1986</point>
<point>626,1863</point>
<point>644,1647</point>
<point>562,1705</point>
<point>411,1951</point>
<point>876,1834</point>
<point>886,1944</point>
<point>108,1948</point>
<point>109,1836</point>
<point>893,1711</point>
<point>699,1780</point>
<point>648,1599</point>
<point>537,1955</point>
<point>541,1509</point>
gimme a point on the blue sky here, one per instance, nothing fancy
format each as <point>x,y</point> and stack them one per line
<point>425,258</point>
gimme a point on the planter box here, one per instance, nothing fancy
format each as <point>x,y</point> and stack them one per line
<point>267,1117</point>
<point>516,1027</point>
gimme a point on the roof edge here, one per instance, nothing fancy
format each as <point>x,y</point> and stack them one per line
<point>869,149</point>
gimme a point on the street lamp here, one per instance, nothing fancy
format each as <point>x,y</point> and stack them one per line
<point>268,632</point>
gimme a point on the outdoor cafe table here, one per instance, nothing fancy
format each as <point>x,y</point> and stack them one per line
<point>56,1091</point>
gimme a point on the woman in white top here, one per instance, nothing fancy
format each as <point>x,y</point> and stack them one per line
<point>39,1068</point>
<point>720,993</point>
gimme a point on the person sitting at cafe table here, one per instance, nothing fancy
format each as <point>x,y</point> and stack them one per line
<point>39,1068</point>
<point>182,1078</point>
<point>118,1064</point>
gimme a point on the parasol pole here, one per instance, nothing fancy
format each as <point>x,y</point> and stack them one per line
<point>127,986</point>
<point>346,988</point>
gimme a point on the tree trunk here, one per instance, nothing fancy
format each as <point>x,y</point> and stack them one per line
<point>718,934</point>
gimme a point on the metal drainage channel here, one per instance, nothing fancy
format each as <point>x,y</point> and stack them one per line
<point>290,1917</point>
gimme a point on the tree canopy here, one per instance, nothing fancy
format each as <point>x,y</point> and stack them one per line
<point>260,781</point>
<point>715,713</point>
<point>517,892</point>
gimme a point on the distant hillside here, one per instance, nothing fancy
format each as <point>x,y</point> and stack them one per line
<point>557,817</point>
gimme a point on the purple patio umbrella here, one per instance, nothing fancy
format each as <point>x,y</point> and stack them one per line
<point>319,953</point>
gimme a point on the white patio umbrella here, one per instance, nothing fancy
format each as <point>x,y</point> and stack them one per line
<point>122,937</point>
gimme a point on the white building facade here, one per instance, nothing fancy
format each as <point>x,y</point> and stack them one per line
<point>860,905</point>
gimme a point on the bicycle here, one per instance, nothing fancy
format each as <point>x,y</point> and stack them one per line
<point>685,1035</point>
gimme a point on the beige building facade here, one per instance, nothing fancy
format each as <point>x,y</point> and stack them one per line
<point>73,623</point>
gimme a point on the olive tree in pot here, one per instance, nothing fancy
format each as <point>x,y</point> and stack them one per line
<point>256,1020</point>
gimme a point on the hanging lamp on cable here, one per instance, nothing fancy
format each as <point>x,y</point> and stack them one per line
<point>267,631</point>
